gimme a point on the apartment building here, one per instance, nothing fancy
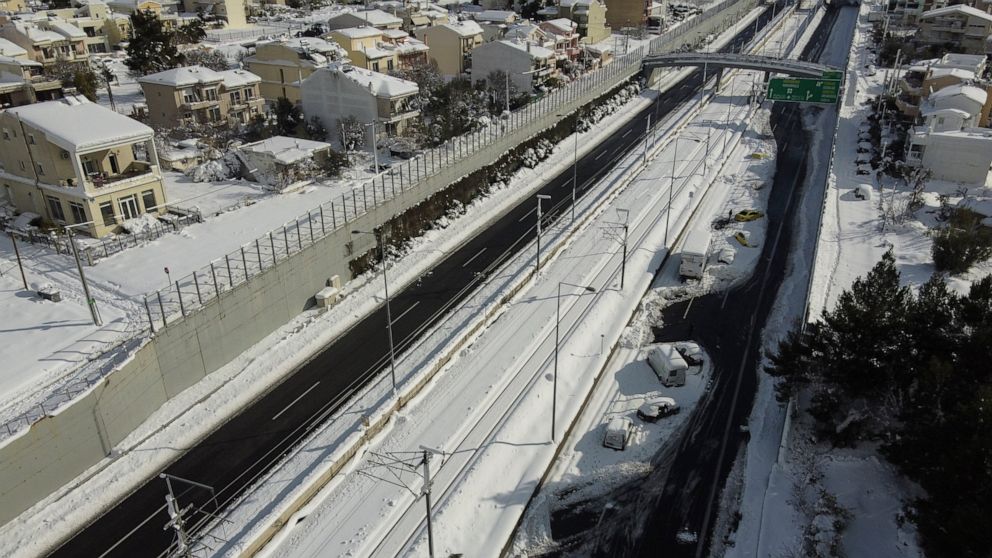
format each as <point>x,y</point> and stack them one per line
<point>23,82</point>
<point>283,65</point>
<point>365,18</point>
<point>231,11</point>
<point>494,23</point>
<point>565,34</point>
<point>95,19</point>
<point>195,94</point>
<point>13,6</point>
<point>74,162</point>
<point>47,41</point>
<point>589,16</point>
<point>964,27</point>
<point>528,66</point>
<point>380,50</point>
<point>451,45</point>
<point>337,92</point>
<point>627,13</point>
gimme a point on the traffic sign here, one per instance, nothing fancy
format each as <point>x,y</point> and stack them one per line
<point>804,90</point>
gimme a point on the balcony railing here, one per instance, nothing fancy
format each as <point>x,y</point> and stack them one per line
<point>135,169</point>
<point>197,105</point>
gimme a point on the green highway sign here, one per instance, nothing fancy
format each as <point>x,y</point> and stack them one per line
<point>805,90</point>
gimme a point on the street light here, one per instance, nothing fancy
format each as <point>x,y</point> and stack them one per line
<point>90,301</point>
<point>389,315</point>
<point>539,198</point>
<point>427,494</point>
<point>554,389</point>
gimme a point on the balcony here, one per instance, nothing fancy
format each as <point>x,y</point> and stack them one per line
<point>136,173</point>
<point>198,105</point>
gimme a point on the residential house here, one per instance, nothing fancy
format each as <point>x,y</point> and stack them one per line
<point>420,15</point>
<point>908,12</point>
<point>12,50</point>
<point>451,45</point>
<point>590,15</point>
<point>365,18</point>
<point>924,78</point>
<point>13,6</point>
<point>23,82</point>
<point>281,161</point>
<point>94,19</point>
<point>964,27</point>
<point>380,51</point>
<point>48,41</point>
<point>494,23</point>
<point>283,65</point>
<point>231,11</point>
<point>338,92</point>
<point>76,162</point>
<point>528,66</point>
<point>195,94</point>
<point>167,11</point>
<point>963,156</point>
<point>565,34</point>
<point>968,98</point>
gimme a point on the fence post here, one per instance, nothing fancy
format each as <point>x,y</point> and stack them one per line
<point>213,274</point>
<point>344,207</point>
<point>334,222</point>
<point>182,308</point>
<point>244,260</point>
<point>196,283</point>
<point>148,311</point>
<point>230,277</point>
<point>323,231</point>
<point>285,239</point>
<point>310,222</point>
<point>299,236</point>
<point>272,244</point>
<point>354,202</point>
<point>375,202</point>
<point>161,308</point>
<point>258,250</point>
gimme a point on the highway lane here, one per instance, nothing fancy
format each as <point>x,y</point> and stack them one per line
<point>682,490</point>
<point>250,442</point>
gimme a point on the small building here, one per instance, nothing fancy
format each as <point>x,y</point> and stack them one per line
<point>589,16</point>
<point>281,161</point>
<point>199,95</point>
<point>451,45</point>
<point>565,34</point>
<point>622,14</point>
<point>48,41</point>
<point>283,65</point>
<point>338,92</point>
<point>72,161</point>
<point>23,82</point>
<point>494,23</point>
<point>528,66</point>
<point>963,156</point>
<point>365,18</point>
<point>380,51</point>
<point>964,27</point>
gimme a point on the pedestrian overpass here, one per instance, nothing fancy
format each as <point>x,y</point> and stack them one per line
<point>719,60</point>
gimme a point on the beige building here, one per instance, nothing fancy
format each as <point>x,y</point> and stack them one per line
<point>200,95</point>
<point>451,45</point>
<point>282,65</point>
<point>962,26</point>
<point>94,19</point>
<point>378,50</point>
<point>528,66</point>
<point>23,82</point>
<point>48,41</point>
<point>72,161</point>
<point>231,11</point>
<point>337,92</point>
<point>627,13</point>
<point>365,18</point>
<point>13,6</point>
<point>590,16</point>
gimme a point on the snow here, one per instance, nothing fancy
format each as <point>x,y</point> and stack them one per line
<point>76,124</point>
<point>183,77</point>
<point>213,197</point>
<point>465,28</point>
<point>955,10</point>
<point>8,48</point>
<point>381,84</point>
<point>239,78</point>
<point>285,149</point>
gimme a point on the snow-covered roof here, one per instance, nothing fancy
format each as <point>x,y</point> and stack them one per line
<point>523,31</point>
<point>394,34</point>
<point>285,149</point>
<point>953,72</point>
<point>957,9</point>
<point>359,32</point>
<point>65,28</point>
<point>373,17</point>
<point>931,111</point>
<point>535,51</point>
<point>569,3</point>
<point>239,78</point>
<point>183,77</point>
<point>18,62</point>
<point>496,16</point>
<point>562,25</point>
<point>464,28</point>
<point>957,59</point>
<point>36,34</point>
<point>8,48</point>
<point>312,44</point>
<point>969,91</point>
<point>380,84</point>
<point>75,124</point>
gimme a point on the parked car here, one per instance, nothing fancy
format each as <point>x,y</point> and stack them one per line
<point>862,192</point>
<point>748,215</point>
<point>668,365</point>
<point>617,433</point>
<point>691,352</point>
<point>657,409</point>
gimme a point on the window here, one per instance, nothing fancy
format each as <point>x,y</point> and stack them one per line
<point>90,167</point>
<point>55,205</point>
<point>148,200</point>
<point>107,212</point>
<point>210,94</point>
<point>78,212</point>
<point>249,93</point>
<point>214,115</point>
<point>115,167</point>
<point>6,134</point>
<point>389,64</point>
<point>235,97</point>
<point>41,170</point>
<point>375,66</point>
<point>23,167</point>
<point>31,139</point>
<point>129,207</point>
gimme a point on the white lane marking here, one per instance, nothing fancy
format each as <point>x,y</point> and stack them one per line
<point>405,312</point>
<point>526,215</point>
<point>293,402</point>
<point>687,307</point>
<point>627,133</point>
<point>477,254</point>
<point>601,153</point>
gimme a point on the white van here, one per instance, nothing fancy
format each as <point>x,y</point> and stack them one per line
<point>695,253</point>
<point>617,433</point>
<point>668,364</point>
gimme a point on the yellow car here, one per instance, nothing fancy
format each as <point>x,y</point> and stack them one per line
<point>748,215</point>
<point>742,239</point>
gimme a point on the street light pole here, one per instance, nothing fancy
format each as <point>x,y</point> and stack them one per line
<point>554,385</point>
<point>671,188</point>
<point>389,314</point>
<point>20,265</point>
<point>575,163</point>
<point>427,500</point>
<point>539,198</point>
<point>90,301</point>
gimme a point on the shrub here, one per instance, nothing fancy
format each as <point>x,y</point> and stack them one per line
<point>962,243</point>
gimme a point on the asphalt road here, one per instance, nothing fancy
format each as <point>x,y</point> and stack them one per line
<point>250,442</point>
<point>682,490</point>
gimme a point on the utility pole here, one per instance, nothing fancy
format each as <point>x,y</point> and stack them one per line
<point>647,136</point>
<point>575,163</point>
<point>671,188</point>
<point>427,501</point>
<point>389,315</point>
<point>20,265</point>
<point>539,198</point>
<point>90,301</point>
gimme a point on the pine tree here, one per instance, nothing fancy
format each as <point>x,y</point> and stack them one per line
<point>86,83</point>
<point>152,48</point>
